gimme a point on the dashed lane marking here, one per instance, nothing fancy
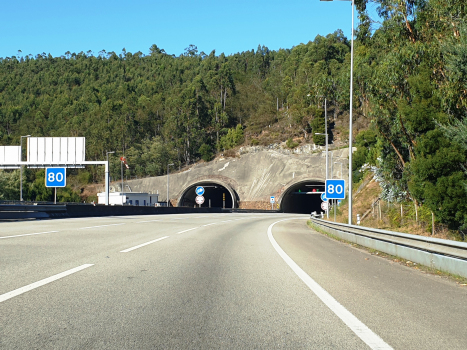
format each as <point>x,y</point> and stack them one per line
<point>29,234</point>
<point>86,228</point>
<point>40,283</point>
<point>190,229</point>
<point>142,245</point>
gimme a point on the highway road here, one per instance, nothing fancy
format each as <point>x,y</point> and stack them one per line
<point>213,281</point>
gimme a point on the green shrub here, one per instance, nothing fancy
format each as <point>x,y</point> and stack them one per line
<point>291,143</point>
<point>206,152</point>
<point>254,142</point>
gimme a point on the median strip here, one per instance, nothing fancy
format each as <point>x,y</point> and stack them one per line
<point>142,245</point>
<point>40,283</point>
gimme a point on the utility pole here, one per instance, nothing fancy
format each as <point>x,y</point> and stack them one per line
<point>168,201</point>
<point>21,169</point>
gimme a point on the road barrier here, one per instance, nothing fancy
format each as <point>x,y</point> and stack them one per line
<point>39,211</point>
<point>74,210</point>
<point>441,254</point>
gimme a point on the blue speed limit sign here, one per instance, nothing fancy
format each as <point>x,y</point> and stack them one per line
<point>55,177</point>
<point>335,189</point>
<point>199,190</point>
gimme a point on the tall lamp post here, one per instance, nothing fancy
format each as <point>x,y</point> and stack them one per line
<point>325,134</point>
<point>327,150</point>
<point>21,169</point>
<point>107,180</point>
<point>168,165</point>
<point>351,112</point>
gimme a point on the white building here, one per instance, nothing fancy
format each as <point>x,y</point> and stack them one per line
<point>129,198</point>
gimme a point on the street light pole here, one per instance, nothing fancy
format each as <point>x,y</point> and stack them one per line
<point>351,113</point>
<point>327,166</point>
<point>107,180</point>
<point>351,118</point>
<point>326,131</point>
<point>168,165</point>
<point>21,169</point>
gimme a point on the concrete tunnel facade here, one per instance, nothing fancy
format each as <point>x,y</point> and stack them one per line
<point>250,178</point>
<point>303,196</point>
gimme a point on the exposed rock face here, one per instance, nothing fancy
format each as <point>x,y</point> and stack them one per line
<point>255,174</point>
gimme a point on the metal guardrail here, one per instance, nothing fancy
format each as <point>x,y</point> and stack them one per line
<point>441,254</point>
<point>28,211</point>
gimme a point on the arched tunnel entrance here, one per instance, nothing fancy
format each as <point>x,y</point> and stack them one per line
<point>214,195</point>
<point>303,197</point>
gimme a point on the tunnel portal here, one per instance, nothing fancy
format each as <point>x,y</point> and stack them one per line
<point>303,197</point>
<point>213,195</point>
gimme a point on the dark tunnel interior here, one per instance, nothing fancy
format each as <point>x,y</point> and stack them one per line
<point>213,193</point>
<point>303,198</point>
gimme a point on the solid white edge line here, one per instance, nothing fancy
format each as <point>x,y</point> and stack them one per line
<point>85,228</point>
<point>40,283</point>
<point>190,229</point>
<point>358,327</point>
<point>142,245</point>
<point>29,234</point>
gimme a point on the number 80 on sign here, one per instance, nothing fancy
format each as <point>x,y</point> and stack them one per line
<point>335,189</point>
<point>55,177</point>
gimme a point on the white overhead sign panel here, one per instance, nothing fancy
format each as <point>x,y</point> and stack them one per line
<point>10,155</point>
<point>56,150</point>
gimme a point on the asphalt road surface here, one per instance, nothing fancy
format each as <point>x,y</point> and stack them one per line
<point>213,281</point>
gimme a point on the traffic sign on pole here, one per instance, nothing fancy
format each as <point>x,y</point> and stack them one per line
<point>323,197</point>
<point>199,190</point>
<point>199,200</point>
<point>55,177</point>
<point>335,189</point>
<point>324,205</point>
<point>273,199</point>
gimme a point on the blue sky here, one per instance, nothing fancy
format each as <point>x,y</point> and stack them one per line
<point>56,27</point>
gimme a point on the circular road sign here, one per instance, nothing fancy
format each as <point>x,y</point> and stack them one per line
<point>199,200</point>
<point>199,190</point>
<point>324,205</point>
<point>323,196</point>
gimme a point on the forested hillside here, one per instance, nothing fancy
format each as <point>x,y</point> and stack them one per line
<point>167,108</point>
<point>410,84</point>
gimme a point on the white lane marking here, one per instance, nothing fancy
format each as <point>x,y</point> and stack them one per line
<point>85,228</point>
<point>142,245</point>
<point>226,220</point>
<point>29,234</point>
<point>140,222</point>
<point>190,229</point>
<point>358,327</point>
<point>40,283</point>
<point>209,224</point>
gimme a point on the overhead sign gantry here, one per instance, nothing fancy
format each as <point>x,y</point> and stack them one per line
<point>51,152</point>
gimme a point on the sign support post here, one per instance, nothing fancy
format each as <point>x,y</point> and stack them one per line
<point>335,190</point>
<point>272,200</point>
